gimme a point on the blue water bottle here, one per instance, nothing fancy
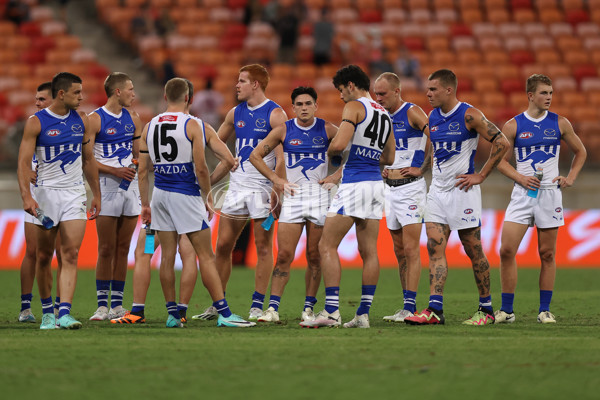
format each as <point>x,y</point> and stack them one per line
<point>149,244</point>
<point>267,223</point>
<point>44,219</point>
<point>539,173</point>
<point>124,182</point>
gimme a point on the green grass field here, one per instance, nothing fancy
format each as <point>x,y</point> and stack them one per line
<point>525,360</point>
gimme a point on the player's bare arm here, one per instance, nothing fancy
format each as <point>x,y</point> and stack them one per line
<point>264,148</point>
<point>389,151</point>
<point>26,151</point>
<point>90,168</point>
<point>510,131</point>
<point>331,181</point>
<point>578,149</point>
<point>277,118</point>
<point>221,151</point>
<point>475,120</point>
<point>353,113</point>
<point>144,165</point>
<point>225,132</point>
<point>202,174</point>
<point>122,172</point>
<point>137,121</point>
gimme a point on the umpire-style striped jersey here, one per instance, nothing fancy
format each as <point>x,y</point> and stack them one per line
<point>537,145</point>
<point>368,141</point>
<point>305,152</point>
<point>170,150</point>
<point>410,142</point>
<point>454,146</point>
<point>114,144</point>
<point>58,149</point>
<point>252,125</point>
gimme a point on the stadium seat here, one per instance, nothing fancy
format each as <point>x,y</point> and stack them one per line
<point>499,16</point>
<point>523,16</point>
<point>550,15</point>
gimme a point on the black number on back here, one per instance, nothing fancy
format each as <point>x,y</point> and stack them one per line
<point>163,139</point>
<point>379,129</point>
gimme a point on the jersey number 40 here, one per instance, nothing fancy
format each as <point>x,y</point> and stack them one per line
<point>379,129</point>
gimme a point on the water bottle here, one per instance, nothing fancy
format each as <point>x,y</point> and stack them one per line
<point>533,192</point>
<point>124,182</point>
<point>44,219</point>
<point>267,223</point>
<point>149,244</point>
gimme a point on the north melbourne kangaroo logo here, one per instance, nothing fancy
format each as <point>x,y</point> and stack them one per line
<point>442,155</point>
<point>121,153</point>
<point>66,158</point>
<point>307,164</point>
<point>536,157</point>
<point>244,155</point>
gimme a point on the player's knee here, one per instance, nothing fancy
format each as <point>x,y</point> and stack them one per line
<point>284,256</point>
<point>507,253</point>
<point>70,255</point>
<point>313,258</point>
<point>547,255</point>
<point>105,250</point>
<point>263,250</point>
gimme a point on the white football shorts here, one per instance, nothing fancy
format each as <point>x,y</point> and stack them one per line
<point>456,208</point>
<point>545,211</point>
<point>182,213</point>
<point>362,200</point>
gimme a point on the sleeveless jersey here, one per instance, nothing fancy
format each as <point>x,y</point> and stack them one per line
<point>58,149</point>
<point>252,124</point>
<point>454,146</point>
<point>537,145</point>
<point>305,152</point>
<point>170,150</point>
<point>410,142</point>
<point>368,141</point>
<point>113,145</point>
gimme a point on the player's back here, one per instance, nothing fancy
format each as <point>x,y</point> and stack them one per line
<point>252,125</point>
<point>537,145</point>
<point>58,149</point>
<point>170,150</point>
<point>114,143</point>
<point>454,146</point>
<point>410,142</point>
<point>368,142</point>
<point>305,152</point>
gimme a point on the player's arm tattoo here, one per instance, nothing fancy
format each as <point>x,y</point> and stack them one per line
<point>266,150</point>
<point>136,138</point>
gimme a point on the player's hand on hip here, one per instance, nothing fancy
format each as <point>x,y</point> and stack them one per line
<point>411,172</point>
<point>210,210</point>
<point>236,163</point>
<point>563,182</point>
<point>33,176</point>
<point>466,181</point>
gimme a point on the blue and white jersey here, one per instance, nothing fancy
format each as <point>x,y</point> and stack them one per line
<point>170,150</point>
<point>410,142</point>
<point>113,146</point>
<point>252,125</point>
<point>537,145</point>
<point>58,149</point>
<point>305,152</point>
<point>454,146</point>
<point>368,141</point>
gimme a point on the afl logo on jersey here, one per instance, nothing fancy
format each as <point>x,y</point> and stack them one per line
<point>526,135</point>
<point>129,128</point>
<point>412,207</point>
<point>433,129</point>
<point>558,209</point>
<point>240,124</point>
<point>77,128</point>
<point>454,126</point>
<point>468,211</point>
<point>261,123</point>
<point>295,142</point>
<point>550,132</point>
<point>111,131</point>
<point>53,132</point>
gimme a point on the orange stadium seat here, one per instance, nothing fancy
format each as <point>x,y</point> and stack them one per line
<point>550,15</point>
<point>485,84</point>
<point>576,57</point>
<point>565,43</point>
<point>521,57</point>
<point>437,43</point>
<point>446,15</point>
<point>471,15</point>
<point>572,5</point>
<point>420,15</point>
<point>494,4</point>
<point>494,99</point>
<point>462,4</point>
<point>507,71</point>
<point>490,42</point>
<point>544,4</point>
<point>518,99</point>
<point>558,70</point>
<point>495,56</point>
<point>443,4</point>
<point>499,16</point>
<point>523,16</point>
<point>469,57</point>
<point>541,42</point>
<point>547,56</point>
